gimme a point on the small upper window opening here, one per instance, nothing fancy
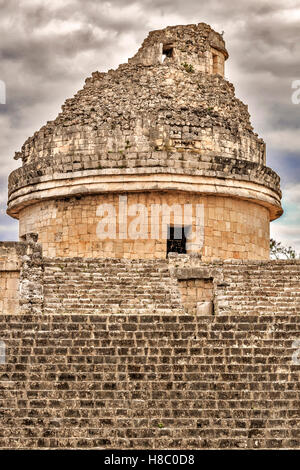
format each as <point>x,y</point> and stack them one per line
<point>168,51</point>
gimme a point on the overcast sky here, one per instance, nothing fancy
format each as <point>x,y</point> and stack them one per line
<point>48,48</point>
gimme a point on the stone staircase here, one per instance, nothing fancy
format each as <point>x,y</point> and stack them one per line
<point>271,287</point>
<point>75,285</point>
<point>110,286</point>
<point>149,382</point>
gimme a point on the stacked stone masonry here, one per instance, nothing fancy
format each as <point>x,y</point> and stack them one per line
<point>231,227</point>
<point>108,353</point>
<point>254,287</point>
<point>10,262</point>
<point>109,286</point>
<point>150,381</point>
<point>135,286</point>
<point>156,162</point>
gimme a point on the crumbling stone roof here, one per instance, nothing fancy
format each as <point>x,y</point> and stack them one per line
<point>112,106</point>
<point>175,113</point>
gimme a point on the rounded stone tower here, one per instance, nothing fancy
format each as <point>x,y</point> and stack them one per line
<point>159,147</point>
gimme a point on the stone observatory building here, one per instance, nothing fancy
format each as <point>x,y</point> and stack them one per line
<point>140,308</point>
<point>164,129</point>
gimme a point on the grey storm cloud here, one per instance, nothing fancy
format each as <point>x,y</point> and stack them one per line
<point>48,48</point>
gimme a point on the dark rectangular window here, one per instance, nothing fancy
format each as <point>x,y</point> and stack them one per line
<point>176,242</point>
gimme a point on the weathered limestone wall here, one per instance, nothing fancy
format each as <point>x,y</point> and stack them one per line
<point>152,382</point>
<point>21,282</point>
<point>10,265</point>
<point>9,291</point>
<point>195,293</point>
<point>233,228</point>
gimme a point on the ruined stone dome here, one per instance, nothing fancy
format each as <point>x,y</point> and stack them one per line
<point>168,120</point>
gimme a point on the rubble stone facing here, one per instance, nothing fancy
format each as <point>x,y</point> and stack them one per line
<point>139,108</point>
<point>196,45</point>
<point>135,110</point>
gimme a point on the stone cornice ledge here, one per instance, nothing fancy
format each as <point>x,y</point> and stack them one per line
<point>89,183</point>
